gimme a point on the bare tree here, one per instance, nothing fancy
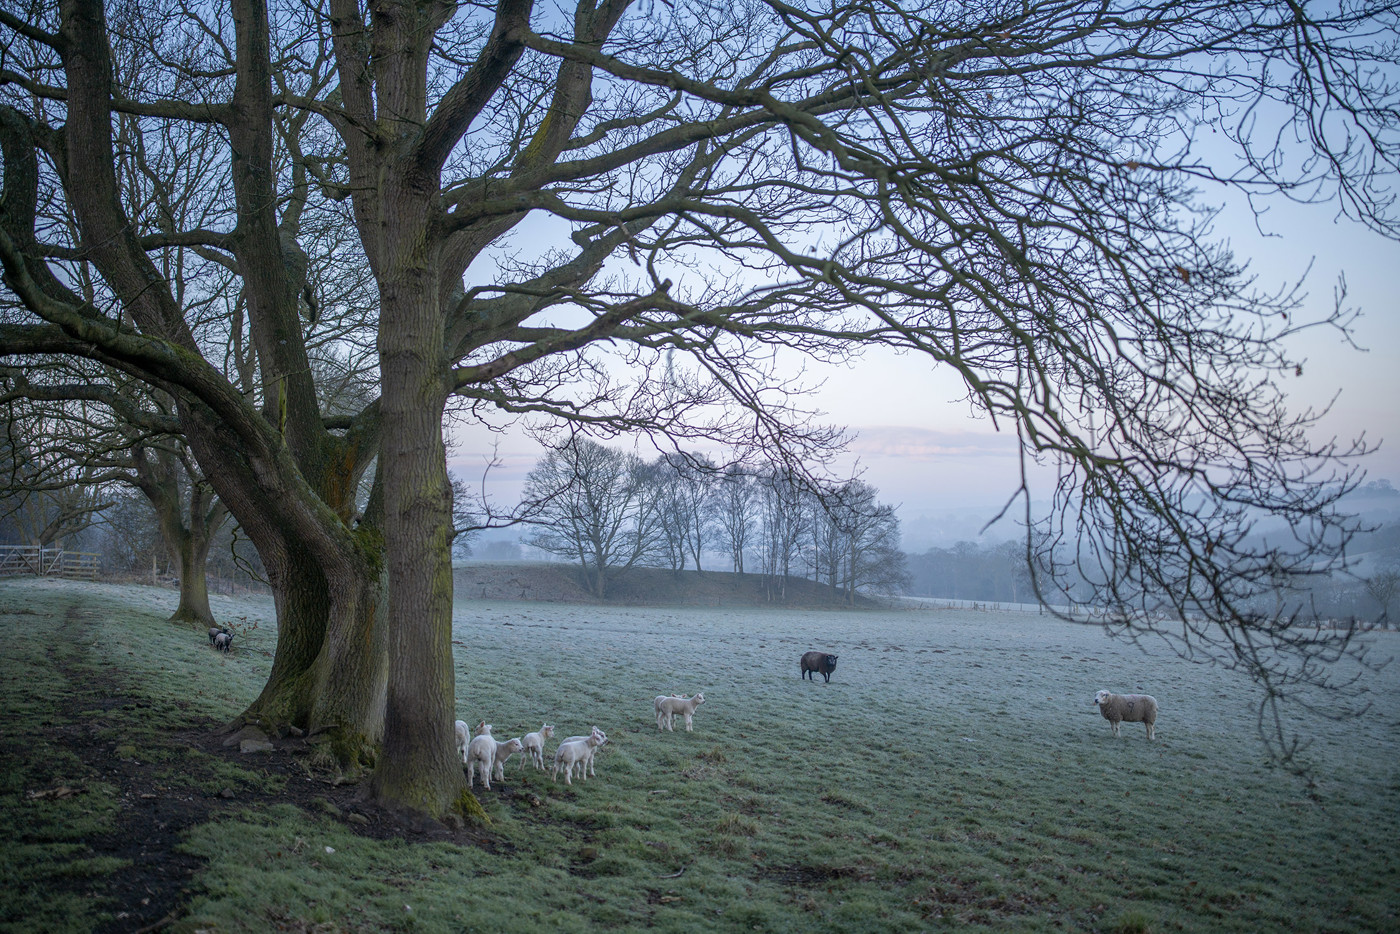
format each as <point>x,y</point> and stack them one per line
<point>601,509</point>
<point>1383,587</point>
<point>93,435</point>
<point>736,511</point>
<point>44,501</point>
<point>866,544</point>
<point>783,528</point>
<point>188,514</point>
<point>1010,189</point>
<point>683,485</point>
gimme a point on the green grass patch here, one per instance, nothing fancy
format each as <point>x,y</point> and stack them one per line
<point>954,775</point>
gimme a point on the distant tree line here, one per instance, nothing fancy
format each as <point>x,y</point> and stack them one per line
<point>1000,573</point>
<point>611,510</point>
<point>969,571</point>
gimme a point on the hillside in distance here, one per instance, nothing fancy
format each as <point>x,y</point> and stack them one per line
<point>563,583</point>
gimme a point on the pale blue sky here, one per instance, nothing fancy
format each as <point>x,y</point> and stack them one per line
<point>924,451</point>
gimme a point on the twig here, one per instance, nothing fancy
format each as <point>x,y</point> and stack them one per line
<point>674,875</point>
<point>163,922</point>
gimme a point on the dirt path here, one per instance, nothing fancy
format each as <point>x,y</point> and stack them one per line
<point>146,784</point>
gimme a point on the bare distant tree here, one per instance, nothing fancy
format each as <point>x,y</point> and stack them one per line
<point>683,485</point>
<point>45,497</point>
<point>1383,587</point>
<point>782,529</point>
<point>188,514</point>
<point>737,506</point>
<point>867,533</point>
<point>95,432</point>
<point>600,510</point>
<point>466,519</point>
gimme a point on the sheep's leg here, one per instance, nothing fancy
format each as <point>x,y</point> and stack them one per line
<point>687,724</point>
<point>1151,731</point>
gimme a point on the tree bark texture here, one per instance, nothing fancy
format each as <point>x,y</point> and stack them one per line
<point>418,768</point>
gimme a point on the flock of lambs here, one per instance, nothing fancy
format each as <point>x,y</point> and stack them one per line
<point>486,756</point>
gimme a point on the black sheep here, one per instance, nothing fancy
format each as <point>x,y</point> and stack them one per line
<point>818,661</point>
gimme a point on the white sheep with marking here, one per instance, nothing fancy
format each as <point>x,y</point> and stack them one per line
<point>488,755</point>
<point>668,705</point>
<point>1133,708</point>
<point>576,752</point>
<point>534,746</point>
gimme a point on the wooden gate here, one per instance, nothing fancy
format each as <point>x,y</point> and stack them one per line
<point>34,561</point>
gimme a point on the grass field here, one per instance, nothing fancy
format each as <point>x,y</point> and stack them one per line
<point>953,775</point>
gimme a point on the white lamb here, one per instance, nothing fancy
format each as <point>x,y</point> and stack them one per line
<point>579,752</point>
<point>534,746</point>
<point>592,752</point>
<point>487,755</point>
<point>1134,708</point>
<point>464,734</point>
<point>463,737</point>
<point>667,706</point>
<point>503,753</point>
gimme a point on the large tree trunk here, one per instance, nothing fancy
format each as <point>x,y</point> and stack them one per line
<point>190,555</point>
<point>418,767</point>
<point>188,529</point>
<point>330,670</point>
<point>329,673</point>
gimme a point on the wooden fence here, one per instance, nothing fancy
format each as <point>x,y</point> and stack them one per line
<point>31,560</point>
